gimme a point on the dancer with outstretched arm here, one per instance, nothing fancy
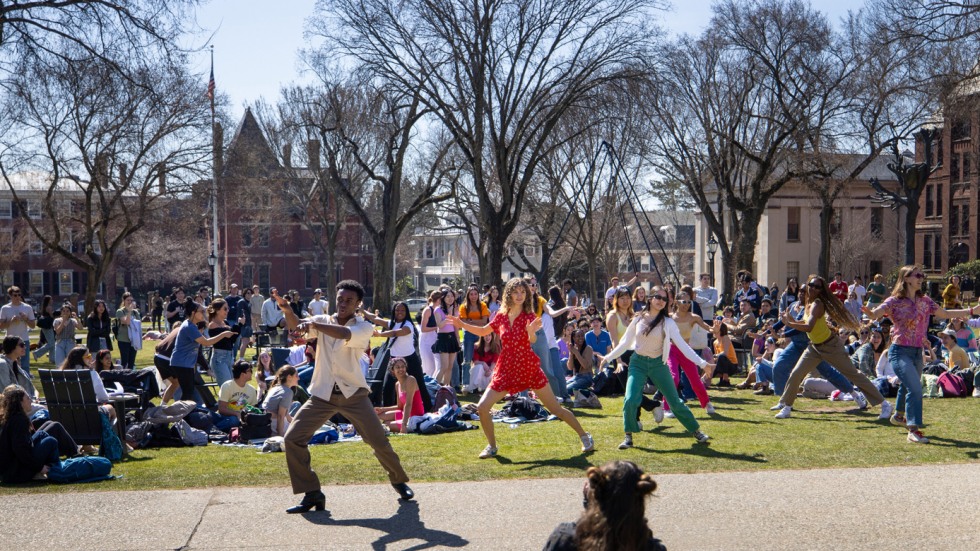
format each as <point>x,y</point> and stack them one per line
<point>651,335</point>
<point>338,386</point>
<point>825,345</point>
<point>518,367</point>
<point>909,309</point>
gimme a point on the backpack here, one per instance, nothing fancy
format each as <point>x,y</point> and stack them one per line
<point>80,469</point>
<point>200,419</point>
<point>936,368</point>
<point>111,447</point>
<point>445,395</point>
<point>967,375</point>
<point>930,386</point>
<point>951,385</point>
<point>525,407</point>
<point>115,327</point>
<point>139,435</point>
<point>190,435</point>
<point>255,426</point>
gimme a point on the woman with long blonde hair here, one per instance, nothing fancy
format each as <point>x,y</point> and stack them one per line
<point>518,367</point>
<point>825,345</point>
<point>909,309</point>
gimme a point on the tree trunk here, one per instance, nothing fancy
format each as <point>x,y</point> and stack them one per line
<point>823,260</point>
<point>384,261</point>
<point>910,216</point>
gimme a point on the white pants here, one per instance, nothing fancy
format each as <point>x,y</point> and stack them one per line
<point>429,359</point>
<point>478,377</point>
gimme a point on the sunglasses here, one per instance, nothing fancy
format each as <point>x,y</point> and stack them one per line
<point>815,285</point>
<point>15,294</point>
<point>21,345</point>
<point>864,333</point>
<point>919,275</point>
<point>682,301</point>
<point>659,297</point>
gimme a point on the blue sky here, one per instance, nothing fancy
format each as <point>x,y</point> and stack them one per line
<point>256,42</point>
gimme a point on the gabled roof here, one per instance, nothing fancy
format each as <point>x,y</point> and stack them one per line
<point>249,153</point>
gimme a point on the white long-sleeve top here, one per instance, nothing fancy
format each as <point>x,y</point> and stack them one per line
<point>657,343</point>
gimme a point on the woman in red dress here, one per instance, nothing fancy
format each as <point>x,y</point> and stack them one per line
<point>518,368</point>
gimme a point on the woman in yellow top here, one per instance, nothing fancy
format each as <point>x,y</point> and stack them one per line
<point>951,294</point>
<point>726,362</point>
<point>825,345</point>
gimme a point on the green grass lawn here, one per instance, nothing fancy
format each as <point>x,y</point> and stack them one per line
<point>745,436</point>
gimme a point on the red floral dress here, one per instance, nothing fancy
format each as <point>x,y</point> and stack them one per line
<point>518,367</point>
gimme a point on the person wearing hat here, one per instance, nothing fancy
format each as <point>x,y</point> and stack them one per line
<point>318,306</point>
<point>956,357</point>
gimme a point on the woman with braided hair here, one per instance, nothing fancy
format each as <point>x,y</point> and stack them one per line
<point>824,345</point>
<point>614,517</point>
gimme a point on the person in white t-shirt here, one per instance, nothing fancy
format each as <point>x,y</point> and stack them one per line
<point>318,306</point>
<point>614,286</point>
<point>17,319</point>
<point>858,288</point>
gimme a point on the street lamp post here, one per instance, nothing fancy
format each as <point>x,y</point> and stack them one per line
<point>712,249</point>
<point>212,262</point>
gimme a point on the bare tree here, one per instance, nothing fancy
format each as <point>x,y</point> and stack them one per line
<point>499,75</point>
<point>375,160</point>
<point>104,150</point>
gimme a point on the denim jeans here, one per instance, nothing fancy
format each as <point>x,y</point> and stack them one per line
<point>25,360</point>
<point>469,342</point>
<point>558,369</point>
<point>225,423</point>
<point>541,350</point>
<point>45,450</point>
<point>61,350</point>
<point>787,361</point>
<point>49,343</point>
<point>763,371</point>
<point>221,362</point>
<point>907,363</point>
<point>305,376</point>
<point>582,383</point>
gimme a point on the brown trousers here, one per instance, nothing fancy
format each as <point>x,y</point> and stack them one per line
<point>314,413</point>
<point>833,352</point>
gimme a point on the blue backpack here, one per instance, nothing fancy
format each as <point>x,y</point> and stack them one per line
<point>81,469</point>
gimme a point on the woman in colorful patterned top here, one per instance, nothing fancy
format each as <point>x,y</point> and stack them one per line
<point>909,310</point>
<point>518,368</point>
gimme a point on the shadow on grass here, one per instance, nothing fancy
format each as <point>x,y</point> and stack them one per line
<point>403,525</point>
<point>725,419</point>
<point>723,399</point>
<point>705,450</point>
<point>954,443</point>
<point>577,462</point>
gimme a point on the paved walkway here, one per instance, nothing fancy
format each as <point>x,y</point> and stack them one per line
<point>851,509</point>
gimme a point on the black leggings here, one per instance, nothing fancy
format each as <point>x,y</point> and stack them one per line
<point>185,380</point>
<point>388,397</point>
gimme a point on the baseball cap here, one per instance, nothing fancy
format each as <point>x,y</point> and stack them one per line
<point>317,291</point>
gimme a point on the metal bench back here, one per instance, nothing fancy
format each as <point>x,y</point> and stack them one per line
<point>70,397</point>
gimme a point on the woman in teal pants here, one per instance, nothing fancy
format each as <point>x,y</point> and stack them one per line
<point>650,334</point>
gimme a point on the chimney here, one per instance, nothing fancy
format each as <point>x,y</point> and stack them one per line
<point>287,155</point>
<point>313,154</point>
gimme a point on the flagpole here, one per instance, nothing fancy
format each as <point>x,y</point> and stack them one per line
<point>216,289</point>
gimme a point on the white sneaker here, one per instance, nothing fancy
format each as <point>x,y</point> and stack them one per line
<point>784,413</point>
<point>777,407</point>
<point>588,444</point>
<point>669,414</point>
<point>701,437</point>
<point>860,400</point>
<point>886,410</point>
<point>709,409</point>
<point>976,392</point>
<point>488,452</point>
<point>916,437</point>
<point>658,414</point>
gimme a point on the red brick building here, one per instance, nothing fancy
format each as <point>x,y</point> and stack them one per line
<point>265,233</point>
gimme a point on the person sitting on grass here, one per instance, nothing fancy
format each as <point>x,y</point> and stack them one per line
<point>27,454</point>
<point>409,398</point>
<point>234,396</point>
<point>264,370</point>
<point>726,362</point>
<point>614,497</point>
<point>279,403</point>
<point>485,355</point>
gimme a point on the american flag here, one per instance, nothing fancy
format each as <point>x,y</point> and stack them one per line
<point>210,92</point>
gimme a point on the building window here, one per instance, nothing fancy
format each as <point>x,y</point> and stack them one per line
<point>937,252</point>
<point>939,199</point>
<point>877,221</point>
<point>954,168</point>
<point>876,266</point>
<point>265,278</point>
<point>930,200</point>
<point>246,236</point>
<point>36,283</point>
<point>262,236</point>
<point>34,210</point>
<point>68,241</point>
<point>429,249</point>
<point>927,251</point>
<point>793,270</point>
<point>6,209</point>
<point>965,174</point>
<point>954,220</point>
<point>7,278</point>
<point>793,224</point>
<point>965,219</point>
<point>960,130</point>
<point>66,280</point>
<point>247,279</point>
<point>307,276</point>
<point>7,241</point>
<point>36,247</point>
